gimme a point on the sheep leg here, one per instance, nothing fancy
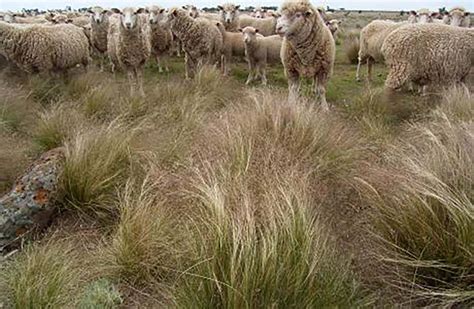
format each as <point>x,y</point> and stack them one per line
<point>139,81</point>
<point>358,69</point>
<point>320,91</point>
<point>158,63</point>
<point>251,77</point>
<point>190,66</point>
<point>370,64</point>
<point>263,74</point>
<point>131,81</point>
<point>293,87</point>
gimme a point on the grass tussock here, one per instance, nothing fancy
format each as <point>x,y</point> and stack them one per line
<point>351,46</point>
<point>144,249</point>
<point>100,294</point>
<point>457,104</point>
<point>424,215</point>
<point>97,163</point>
<point>258,239</point>
<point>41,276</point>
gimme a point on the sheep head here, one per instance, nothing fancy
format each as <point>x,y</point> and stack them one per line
<point>297,18</point>
<point>192,10</point>
<point>229,12</point>
<point>457,17</point>
<point>129,16</point>
<point>156,14</point>
<point>98,15</point>
<point>250,34</point>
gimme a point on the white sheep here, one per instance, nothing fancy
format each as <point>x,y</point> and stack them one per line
<point>414,54</point>
<point>161,36</point>
<point>129,44</point>
<point>192,11</point>
<point>233,46</point>
<point>266,26</point>
<point>44,48</point>
<point>308,48</point>
<point>259,51</point>
<point>200,38</point>
<point>258,12</point>
<point>372,38</point>
<point>333,26</point>
<point>412,17</point>
<point>99,21</point>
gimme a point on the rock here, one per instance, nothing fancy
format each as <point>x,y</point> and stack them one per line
<point>31,203</point>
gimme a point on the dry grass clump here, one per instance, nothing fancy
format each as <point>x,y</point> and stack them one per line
<point>97,163</point>
<point>144,249</point>
<point>424,212</point>
<point>100,294</point>
<point>457,105</point>
<point>258,240</point>
<point>41,276</point>
<point>351,46</point>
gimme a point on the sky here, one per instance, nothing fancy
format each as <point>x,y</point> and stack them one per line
<point>352,4</point>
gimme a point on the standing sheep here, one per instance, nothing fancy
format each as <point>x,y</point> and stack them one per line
<point>99,20</point>
<point>129,44</point>
<point>200,38</point>
<point>44,48</point>
<point>372,38</point>
<point>260,50</point>
<point>230,16</point>
<point>233,46</point>
<point>266,26</point>
<point>333,26</point>
<point>414,55</point>
<point>308,48</point>
<point>160,35</point>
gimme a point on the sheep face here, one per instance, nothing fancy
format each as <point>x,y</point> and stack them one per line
<point>98,14</point>
<point>229,12</point>
<point>259,13</point>
<point>192,10</point>
<point>457,17</point>
<point>426,17</point>
<point>250,34</point>
<point>156,15</point>
<point>446,19</point>
<point>60,19</point>
<point>333,25</point>
<point>292,22</point>
<point>9,18</point>
<point>129,17</point>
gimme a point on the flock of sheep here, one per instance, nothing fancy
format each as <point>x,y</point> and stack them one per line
<point>428,49</point>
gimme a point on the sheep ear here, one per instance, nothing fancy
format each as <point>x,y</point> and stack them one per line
<point>116,11</point>
<point>308,13</point>
<point>413,13</point>
<point>237,7</point>
<point>161,11</point>
<point>184,7</point>
<point>240,30</point>
<point>467,14</point>
<point>141,10</point>
<point>256,30</point>
<point>220,7</point>
<point>89,10</point>
<point>69,21</point>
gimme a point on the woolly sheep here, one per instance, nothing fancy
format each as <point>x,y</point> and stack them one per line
<point>44,48</point>
<point>412,17</point>
<point>258,12</point>
<point>233,46</point>
<point>425,16</point>
<point>129,44</point>
<point>308,48</point>
<point>414,55</point>
<point>459,17</point>
<point>200,38</point>
<point>372,38</point>
<point>99,20</point>
<point>160,35</point>
<point>260,50</point>
<point>266,26</point>
<point>230,16</point>
<point>192,11</point>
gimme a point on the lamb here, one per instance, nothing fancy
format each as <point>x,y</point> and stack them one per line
<point>266,26</point>
<point>372,38</point>
<point>333,26</point>
<point>230,16</point>
<point>233,45</point>
<point>161,36</point>
<point>414,55</point>
<point>44,48</point>
<point>458,17</point>
<point>129,44</point>
<point>259,51</point>
<point>308,48</point>
<point>200,38</point>
<point>99,21</point>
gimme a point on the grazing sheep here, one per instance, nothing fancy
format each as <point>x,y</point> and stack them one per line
<point>160,35</point>
<point>412,17</point>
<point>260,50</point>
<point>129,44</point>
<point>200,38</point>
<point>99,20</point>
<point>459,17</point>
<point>372,38</point>
<point>333,26</point>
<point>44,48</point>
<point>266,26</point>
<point>308,48</point>
<point>230,16</point>
<point>414,55</point>
<point>233,46</point>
